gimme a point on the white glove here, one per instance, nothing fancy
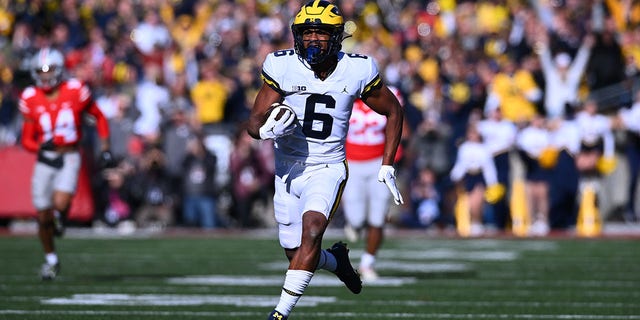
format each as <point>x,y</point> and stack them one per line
<point>275,128</point>
<point>387,174</point>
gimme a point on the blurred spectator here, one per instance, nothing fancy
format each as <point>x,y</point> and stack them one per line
<point>113,194</point>
<point>152,191</point>
<point>563,75</point>
<point>151,36</point>
<point>151,98</point>
<point>180,68</point>
<point>186,22</point>
<point>475,171</point>
<point>250,179</point>
<point>246,86</point>
<point>209,96</point>
<point>567,26</point>
<point>597,144</point>
<point>628,119</point>
<point>199,205</point>
<point>499,137</point>
<point>425,199</point>
<point>523,32</point>
<point>607,64</point>
<point>463,92</point>
<point>176,134</point>
<point>22,38</point>
<point>8,105</point>
<point>533,143</point>
<point>564,137</point>
<point>428,147</point>
<point>68,30</point>
<point>103,13</point>
<point>515,91</point>
<point>117,108</point>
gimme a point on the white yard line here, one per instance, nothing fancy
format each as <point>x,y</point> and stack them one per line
<point>318,280</point>
<point>110,299</point>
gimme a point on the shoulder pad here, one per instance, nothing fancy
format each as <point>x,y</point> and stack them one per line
<point>73,83</point>
<point>28,92</point>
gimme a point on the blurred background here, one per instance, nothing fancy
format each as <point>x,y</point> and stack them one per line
<point>177,80</point>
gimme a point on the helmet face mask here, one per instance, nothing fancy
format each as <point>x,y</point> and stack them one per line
<point>323,17</point>
<point>46,68</point>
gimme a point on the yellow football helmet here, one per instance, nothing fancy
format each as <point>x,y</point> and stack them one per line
<point>318,14</point>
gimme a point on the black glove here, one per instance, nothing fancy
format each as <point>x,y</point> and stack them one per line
<point>52,160</point>
<point>107,161</point>
<point>48,145</point>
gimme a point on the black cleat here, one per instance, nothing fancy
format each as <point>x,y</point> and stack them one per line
<point>276,315</point>
<point>344,270</point>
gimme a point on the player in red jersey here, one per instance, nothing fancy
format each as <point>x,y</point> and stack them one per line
<point>366,201</point>
<point>53,110</point>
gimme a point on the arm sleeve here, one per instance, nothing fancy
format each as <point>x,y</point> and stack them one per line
<point>457,172</point>
<point>580,63</point>
<point>492,102</point>
<point>545,60</point>
<point>608,140</point>
<point>373,79</point>
<point>489,171</point>
<point>459,168</point>
<point>29,140</point>
<point>270,73</point>
<point>609,145</point>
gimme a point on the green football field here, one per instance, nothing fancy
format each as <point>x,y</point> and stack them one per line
<point>238,276</point>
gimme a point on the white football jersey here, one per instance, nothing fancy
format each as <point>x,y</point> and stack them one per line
<point>323,108</point>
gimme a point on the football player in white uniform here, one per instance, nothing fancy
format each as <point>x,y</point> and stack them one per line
<point>304,105</point>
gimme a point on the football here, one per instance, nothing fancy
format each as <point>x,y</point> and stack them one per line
<point>281,109</point>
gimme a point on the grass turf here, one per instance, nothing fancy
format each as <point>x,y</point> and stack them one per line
<point>239,277</point>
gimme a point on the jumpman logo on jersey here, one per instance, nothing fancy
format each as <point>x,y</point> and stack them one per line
<point>345,90</point>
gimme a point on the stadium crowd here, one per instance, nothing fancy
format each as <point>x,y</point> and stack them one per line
<point>176,79</point>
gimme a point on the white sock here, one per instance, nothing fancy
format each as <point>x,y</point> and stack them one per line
<point>367,260</point>
<point>327,261</point>
<point>294,284</point>
<point>51,258</point>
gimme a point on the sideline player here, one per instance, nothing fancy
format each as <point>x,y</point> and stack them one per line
<point>311,90</point>
<point>53,110</point>
<point>366,202</point>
